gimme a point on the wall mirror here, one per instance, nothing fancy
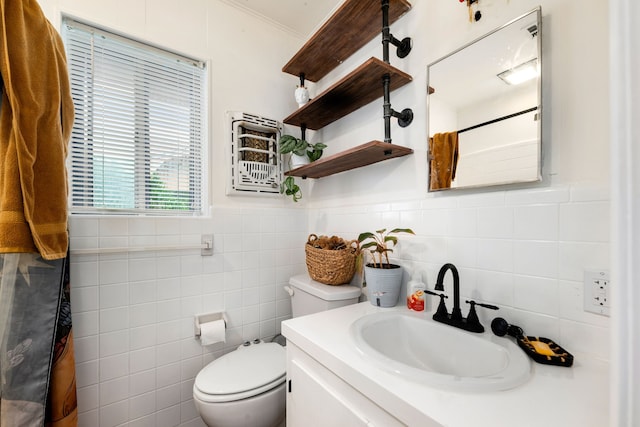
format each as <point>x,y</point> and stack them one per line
<point>484,105</point>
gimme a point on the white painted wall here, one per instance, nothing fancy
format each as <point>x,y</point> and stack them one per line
<point>245,57</point>
<point>136,356</point>
<point>574,95</point>
<point>523,250</point>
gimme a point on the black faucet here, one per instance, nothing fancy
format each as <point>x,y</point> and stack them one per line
<point>471,323</point>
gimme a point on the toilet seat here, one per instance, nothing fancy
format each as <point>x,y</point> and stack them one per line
<point>242,373</point>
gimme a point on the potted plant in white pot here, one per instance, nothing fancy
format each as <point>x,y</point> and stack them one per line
<point>302,152</point>
<point>383,279</point>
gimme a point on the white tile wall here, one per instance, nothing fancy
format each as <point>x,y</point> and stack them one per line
<point>136,357</point>
<point>133,313</point>
<point>523,250</point>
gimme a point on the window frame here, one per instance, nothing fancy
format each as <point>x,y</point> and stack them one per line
<point>84,203</point>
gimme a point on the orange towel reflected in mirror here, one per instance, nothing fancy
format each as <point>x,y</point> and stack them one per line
<point>443,159</point>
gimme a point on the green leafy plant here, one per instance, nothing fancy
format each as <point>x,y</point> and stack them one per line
<point>300,147</point>
<point>377,245</point>
<point>290,188</point>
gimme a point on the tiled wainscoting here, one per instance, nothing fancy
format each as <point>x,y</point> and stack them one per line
<point>523,250</point>
<point>136,355</point>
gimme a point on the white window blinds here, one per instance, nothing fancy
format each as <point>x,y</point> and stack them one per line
<point>139,135</point>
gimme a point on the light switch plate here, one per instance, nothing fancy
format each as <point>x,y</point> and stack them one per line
<point>597,290</point>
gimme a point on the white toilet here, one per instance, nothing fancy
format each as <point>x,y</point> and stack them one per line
<point>309,296</point>
<point>246,387</point>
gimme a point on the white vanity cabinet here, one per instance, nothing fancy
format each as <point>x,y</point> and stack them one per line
<point>333,384</point>
<point>318,397</point>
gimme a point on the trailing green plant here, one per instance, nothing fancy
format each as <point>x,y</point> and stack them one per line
<point>300,147</point>
<point>290,188</point>
<point>377,245</point>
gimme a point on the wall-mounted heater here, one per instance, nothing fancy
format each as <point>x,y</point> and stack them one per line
<point>255,163</point>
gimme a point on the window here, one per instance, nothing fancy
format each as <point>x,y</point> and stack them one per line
<point>138,139</point>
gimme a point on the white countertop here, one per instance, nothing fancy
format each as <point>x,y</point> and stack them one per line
<point>559,396</point>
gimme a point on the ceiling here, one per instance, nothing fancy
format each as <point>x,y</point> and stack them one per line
<point>301,17</point>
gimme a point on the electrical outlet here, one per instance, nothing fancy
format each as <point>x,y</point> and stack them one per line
<point>597,288</point>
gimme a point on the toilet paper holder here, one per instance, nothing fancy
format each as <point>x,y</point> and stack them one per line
<point>208,317</point>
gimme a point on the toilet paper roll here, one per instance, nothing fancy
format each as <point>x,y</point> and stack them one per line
<point>212,332</point>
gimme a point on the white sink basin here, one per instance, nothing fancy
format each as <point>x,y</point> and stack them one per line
<point>439,355</point>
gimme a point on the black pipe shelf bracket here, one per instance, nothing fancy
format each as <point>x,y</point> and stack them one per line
<point>405,117</point>
<point>403,47</point>
<point>303,127</point>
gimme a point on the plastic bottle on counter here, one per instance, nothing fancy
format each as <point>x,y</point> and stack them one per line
<point>415,295</point>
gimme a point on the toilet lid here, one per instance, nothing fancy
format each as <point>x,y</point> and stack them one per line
<point>240,371</point>
<point>322,291</point>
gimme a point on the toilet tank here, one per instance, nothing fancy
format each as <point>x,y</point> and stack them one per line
<point>309,296</point>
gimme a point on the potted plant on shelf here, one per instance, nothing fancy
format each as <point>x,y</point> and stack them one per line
<point>302,152</point>
<point>382,278</point>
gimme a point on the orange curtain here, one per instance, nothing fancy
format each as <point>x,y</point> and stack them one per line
<point>62,403</point>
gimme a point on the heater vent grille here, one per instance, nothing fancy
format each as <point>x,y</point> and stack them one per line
<point>255,163</point>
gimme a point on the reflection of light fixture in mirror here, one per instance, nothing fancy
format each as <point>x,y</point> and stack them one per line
<point>520,73</point>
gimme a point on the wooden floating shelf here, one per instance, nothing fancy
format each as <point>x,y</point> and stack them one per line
<point>333,43</point>
<point>362,155</point>
<point>360,87</point>
<point>354,24</point>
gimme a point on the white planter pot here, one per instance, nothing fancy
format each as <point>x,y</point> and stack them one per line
<point>383,285</point>
<point>297,161</point>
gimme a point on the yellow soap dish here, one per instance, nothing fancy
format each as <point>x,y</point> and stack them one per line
<point>541,350</point>
<point>546,351</point>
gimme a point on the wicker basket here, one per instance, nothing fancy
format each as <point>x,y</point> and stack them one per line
<point>331,267</point>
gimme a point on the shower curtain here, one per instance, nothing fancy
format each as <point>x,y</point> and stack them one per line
<point>37,374</point>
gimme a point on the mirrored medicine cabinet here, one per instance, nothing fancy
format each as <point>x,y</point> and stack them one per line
<point>484,109</point>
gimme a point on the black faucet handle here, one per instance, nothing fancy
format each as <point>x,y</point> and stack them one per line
<point>427,291</point>
<point>472,322</point>
<point>489,306</point>
<point>441,312</point>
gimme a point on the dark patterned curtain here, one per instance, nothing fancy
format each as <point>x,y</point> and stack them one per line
<point>37,369</point>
